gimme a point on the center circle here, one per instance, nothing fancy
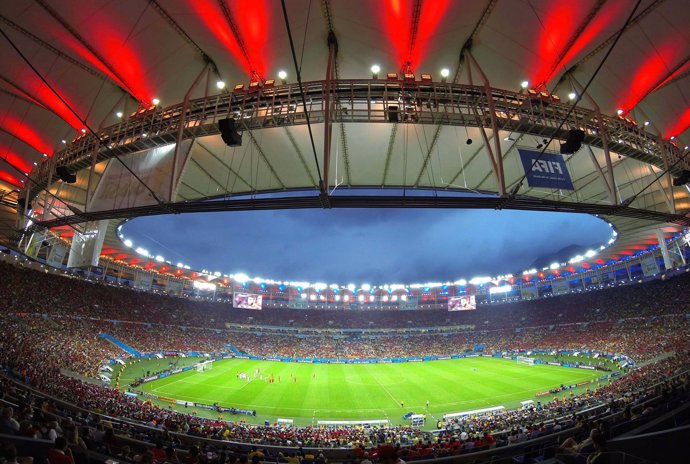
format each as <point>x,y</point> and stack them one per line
<point>376,246</point>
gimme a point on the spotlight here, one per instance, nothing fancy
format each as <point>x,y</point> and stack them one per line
<point>469,142</point>
<point>118,114</point>
<point>445,72</point>
<point>673,137</point>
<point>572,95</point>
<point>646,123</point>
<point>282,75</point>
<point>524,84</point>
<point>155,101</point>
<point>64,142</point>
<point>220,85</point>
<point>375,69</point>
<point>619,112</point>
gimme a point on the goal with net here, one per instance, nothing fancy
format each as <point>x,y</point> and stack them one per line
<point>525,360</point>
<point>204,366</point>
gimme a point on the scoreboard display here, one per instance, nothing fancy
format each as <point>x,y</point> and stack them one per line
<point>462,303</point>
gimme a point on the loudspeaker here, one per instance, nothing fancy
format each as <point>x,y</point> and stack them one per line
<point>573,142</point>
<point>682,179</point>
<point>65,175</point>
<point>229,133</point>
<point>392,113</point>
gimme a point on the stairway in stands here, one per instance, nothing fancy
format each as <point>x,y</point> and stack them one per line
<point>234,350</point>
<point>120,344</point>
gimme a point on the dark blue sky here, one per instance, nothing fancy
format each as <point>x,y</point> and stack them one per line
<point>370,245</point>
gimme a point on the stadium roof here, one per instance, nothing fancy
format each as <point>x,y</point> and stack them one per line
<point>107,60</point>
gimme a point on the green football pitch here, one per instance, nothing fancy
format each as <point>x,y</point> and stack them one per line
<point>307,393</point>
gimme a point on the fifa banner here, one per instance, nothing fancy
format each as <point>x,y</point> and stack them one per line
<point>462,303</point>
<point>34,245</point>
<point>86,247</point>
<point>545,170</point>
<point>297,302</point>
<point>174,287</point>
<point>143,280</point>
<point>56,255</point>
<point>529,292</point>
<point>560,287</point>
<point>246,300</point>
<point>410,304</point>
<point>649,266</point>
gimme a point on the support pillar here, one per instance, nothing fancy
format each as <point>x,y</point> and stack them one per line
<point>668,263</point>
<point>180,132</point>
<point>609,181</point>
<point>86,247</point>
<point>497,158</point>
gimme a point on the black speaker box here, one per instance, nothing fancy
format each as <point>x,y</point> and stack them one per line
<point>228,132</point>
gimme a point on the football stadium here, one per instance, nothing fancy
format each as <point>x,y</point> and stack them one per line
<point>127,128</point>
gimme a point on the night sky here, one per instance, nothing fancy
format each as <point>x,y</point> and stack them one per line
<point>375,246</point>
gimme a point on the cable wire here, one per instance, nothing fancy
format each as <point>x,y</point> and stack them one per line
<point>301,90</point>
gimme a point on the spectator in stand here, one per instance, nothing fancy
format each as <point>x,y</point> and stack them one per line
<point>8,424</point>
<point>60,453</point>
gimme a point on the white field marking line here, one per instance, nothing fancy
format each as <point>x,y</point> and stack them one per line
<point>386,390</point>
<point>184,380</point>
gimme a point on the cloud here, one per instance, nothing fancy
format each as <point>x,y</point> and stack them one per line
<point>368,245</point>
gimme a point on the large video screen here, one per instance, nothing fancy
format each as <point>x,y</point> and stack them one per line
<point>462,303</point>
<point>246,300</point>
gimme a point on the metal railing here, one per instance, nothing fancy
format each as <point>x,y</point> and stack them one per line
<point>362,101</point>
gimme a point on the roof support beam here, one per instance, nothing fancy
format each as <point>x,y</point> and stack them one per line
<point>414,29</point>
<point>651,7</point>
<point>174,177</point>
<point>494,154</point>
<point>55,51</point>
<point>229,168</point>
<point>327,115</point>
<point>94,155</point>
<point>22,94</point>
<point>475,33</point>
<point>583,25</point>
<point>389,152</point>
<point>662,82</point>
<point>230,19</point>
<point>86,44</point>
<point>610,182</point>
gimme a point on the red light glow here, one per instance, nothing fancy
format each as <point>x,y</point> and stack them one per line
<point>26,134</point>
<point>601,20</point>
<point>253,23</point>
<point>643,80</point>
<point>559,26</point>
<point>10,179</point>
<point>681,124</point>
<point>397,21</point>
<point>14,159</point>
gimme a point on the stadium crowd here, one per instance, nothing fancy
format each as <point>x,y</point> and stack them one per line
<point>50,324</point>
